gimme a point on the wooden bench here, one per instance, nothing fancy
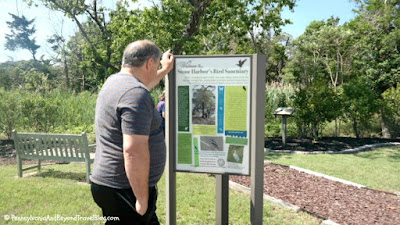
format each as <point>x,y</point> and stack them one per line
<point>59,147</point>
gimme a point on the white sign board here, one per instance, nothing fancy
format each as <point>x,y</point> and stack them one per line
<point>213,114</point>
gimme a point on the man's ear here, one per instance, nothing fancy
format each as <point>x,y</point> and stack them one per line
<point>149,63</point>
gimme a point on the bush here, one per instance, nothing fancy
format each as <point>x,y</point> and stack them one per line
<point>76,112</point>
<point>52,112</point>
<point>359,105</point>
<point>315,106</point>
<point>39,112</point>
<point>155,93</point>
<point>10,111</point>
<point>391,107</point>
<point>278,95</point>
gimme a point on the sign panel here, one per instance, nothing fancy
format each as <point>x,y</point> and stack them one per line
<point>213,114</point>
<point>284,111</point>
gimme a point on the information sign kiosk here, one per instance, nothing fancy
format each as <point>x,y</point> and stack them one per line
<point>215,121</point>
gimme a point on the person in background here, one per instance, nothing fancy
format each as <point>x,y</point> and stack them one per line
<point>130,146</point>
<point>161,110</point>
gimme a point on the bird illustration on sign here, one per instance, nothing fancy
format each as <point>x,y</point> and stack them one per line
<point>241,62</point>
<point>236,156</point>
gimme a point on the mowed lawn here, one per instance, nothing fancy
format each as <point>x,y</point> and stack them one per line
<point>57,191</point>
<point>378,169</point>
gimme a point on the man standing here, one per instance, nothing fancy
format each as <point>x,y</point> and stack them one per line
<point>130,146</point>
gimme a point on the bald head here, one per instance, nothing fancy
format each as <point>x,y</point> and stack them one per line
<point>138,52</point>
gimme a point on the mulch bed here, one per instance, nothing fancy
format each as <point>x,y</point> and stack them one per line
<point>336,144</point>
<point>7,152</point>
<point>327,199</point>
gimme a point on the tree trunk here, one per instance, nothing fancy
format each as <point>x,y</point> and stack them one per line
<point>384,125</point>
<point>336,128</point>
<point>83,82</point>
<point>355,129</point>
<point>66,69</point>
<point>200,7</point>
<point>202,110</point>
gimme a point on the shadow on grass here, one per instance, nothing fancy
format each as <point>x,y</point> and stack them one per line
<point>370,154</point>
<point>80,177</point>
<point>273,156</point>
<point>392,155</point>
<point>395,157</point>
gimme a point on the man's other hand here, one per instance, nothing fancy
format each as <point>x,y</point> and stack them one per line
<point>141,207</point>
<point>167,61</point>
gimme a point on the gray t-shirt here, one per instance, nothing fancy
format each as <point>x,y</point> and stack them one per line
<point>124,105</point>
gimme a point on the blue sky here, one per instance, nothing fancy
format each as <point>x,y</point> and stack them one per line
<point>307,11</point>
<point>49,22</point>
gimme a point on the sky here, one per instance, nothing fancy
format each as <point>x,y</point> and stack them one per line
<point>48,22</point>
<point>307,11</point>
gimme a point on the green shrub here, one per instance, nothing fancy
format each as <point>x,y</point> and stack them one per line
<point>51,112</point>
<point>391,107</point>
<point>76,112</point>
<point>155,93</point>
<point>10,111</point>
<point>315,106</point>
<point>39,112</point>
<point>278,95</point>
<point>359,105</point>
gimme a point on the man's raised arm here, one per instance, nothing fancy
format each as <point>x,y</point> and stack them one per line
<point>167,63</point>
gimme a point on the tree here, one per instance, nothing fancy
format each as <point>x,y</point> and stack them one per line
<point>248,23</point>
<point>328,46</point>
<point>82,68</point>
<point>10,111</point>
<point>203,101</point>
<point>377,55</point>
<point>204,27</point>
<point>277,57</point>
<point>94,32</point>
<point>185,27</point>
<point>391,106</point>
<point>59,45</point>
<point>20,38</point>
<point>315,105</point>
<point>323,52</point>
<point>359,104</point>
<point>27,75</point>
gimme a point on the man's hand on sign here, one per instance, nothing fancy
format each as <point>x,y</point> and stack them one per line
<point>167,61</point>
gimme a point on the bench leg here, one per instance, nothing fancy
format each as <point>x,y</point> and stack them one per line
<point>19,166</point>
<point>39,165</point>
<point>87,172</point>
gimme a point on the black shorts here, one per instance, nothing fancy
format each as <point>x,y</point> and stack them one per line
<point>121,203</point>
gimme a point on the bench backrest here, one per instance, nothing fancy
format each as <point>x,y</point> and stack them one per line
<point>66,147</point>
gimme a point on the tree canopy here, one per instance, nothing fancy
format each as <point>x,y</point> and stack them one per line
<point>349,72</point>
<point>22,30</point>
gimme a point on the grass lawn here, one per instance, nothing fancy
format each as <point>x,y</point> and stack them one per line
<point>56,192</point>
<point>377,169</point>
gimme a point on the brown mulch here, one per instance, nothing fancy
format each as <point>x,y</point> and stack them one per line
<point>7,152</point>
<point>327,199</point>
<point>323,144</point>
